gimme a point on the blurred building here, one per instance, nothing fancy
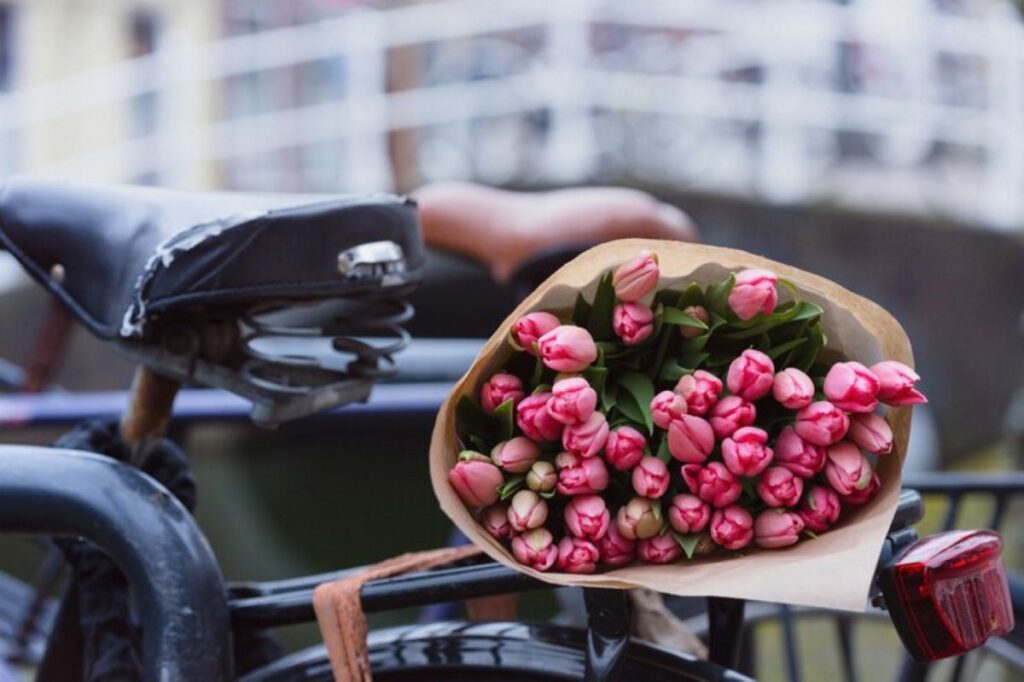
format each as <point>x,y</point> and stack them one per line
<point>913,106</point>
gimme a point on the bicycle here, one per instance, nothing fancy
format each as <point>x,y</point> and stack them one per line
<point>215,304</point>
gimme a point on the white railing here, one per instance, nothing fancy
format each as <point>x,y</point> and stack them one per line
<point>723,95</point>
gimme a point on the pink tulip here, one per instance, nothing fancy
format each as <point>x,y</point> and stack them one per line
<point>700,390</point>
<point>690,439</point>
<point>746,452</point>
<point>615,548</point>
<point>650,478</point>
<point>665,407</point>
<point>852,387</point>
<point>576,555</point>
<point>476,482</point>
<point>636,278</point>
<point>541,477</point>
<point>751,375</point>
<point>529,328</point>
<point>494,519</point>
<point>847,469</point>
<point>624,448</point>
<point>820,509</point>
<point>858,497</point>
<point>793,389</point>
<point>567,349</point>
<point>639,518</point>
<point>871,433</point>
<point>586,438</point>
<point>535,548</point>
<point>793,452</point>
<point>572,400</point>
<point>821,423</point>
<point>660,549</point>
<point>713,483</point>
<point>564,460</point>
<point>774,529</point>
<point>515,455</point>
<point>589,476</point>
<point>754,292</point>
<point>896,384</point>
<point>533,419</point>
<point>587,517</point>
<point>688,514</point>
<point>732,527</point>
<point>632,322</point>
<point>527,511</point>
<point>697,312</point>
<point>498,389</point>
<point>779,487</point>
<point>729,414</point>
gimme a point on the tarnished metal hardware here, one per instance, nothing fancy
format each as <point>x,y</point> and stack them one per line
<point>381,259</point>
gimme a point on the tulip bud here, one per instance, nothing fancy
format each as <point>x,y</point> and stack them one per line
<point>775,528</point>
<point>498,389</point>
<point>821,423</point>
<point>754,292</point>
<point>615,549</point>
<point>697,312</point>
<point>732,527</point>
<point>858,497</point>
<point>528,329</point>
<point>527,511</point>
<point>870,432</point>
<point>535,549</point>
<point>576,555</point>
<point>660,549</point>
<point>476,482</point>
<point>572,400</point>
<point>564,460</point>
<point>751,375</point>
<point>793,452</point>
<point>632,322</point>
<point>820,509</point>
<point>665,407</point>
<point>729,414</point>
<point>639,518</point>
<point>793,389</point>
<point>852,387</point>
<point>713,483</point>
<point>847,469</point>
<point>587,517</point>
<point>588,476</point>
<point>515,455</point>
<point>745,453</point>
<point>636,278</point>
<point>624,448</point>
<point>567,349</point>
<point>586,438</point>
<point>542,477</point>
<point>896,384</point>
<point>650,478</point>
<point>688,514</point>
<point>535,421</point>
<point>779,487</point>
<point>690,439</point>
<point>700,390</point>
<point>494,519</point>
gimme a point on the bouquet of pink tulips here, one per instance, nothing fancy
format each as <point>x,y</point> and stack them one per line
<point>658,422</point>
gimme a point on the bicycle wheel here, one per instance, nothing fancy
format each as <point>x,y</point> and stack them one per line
<point>497,652</point>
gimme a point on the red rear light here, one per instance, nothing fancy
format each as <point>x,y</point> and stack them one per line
<point>947,593</point>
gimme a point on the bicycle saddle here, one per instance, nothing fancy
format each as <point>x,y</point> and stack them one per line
<point>237,291</point>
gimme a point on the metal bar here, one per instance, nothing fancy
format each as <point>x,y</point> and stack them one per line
<point>725,630</point>
<point>965,483</point>
<point>789,644</point>
<point>958,668</point>
<point>152,538</point>
<point>951,511</point>
<point>415,589</point>
<point>844,628</point>
<point>998,511</point>
<point>608,623</point>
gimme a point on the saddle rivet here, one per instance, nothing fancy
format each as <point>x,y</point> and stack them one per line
<point>57,273</point>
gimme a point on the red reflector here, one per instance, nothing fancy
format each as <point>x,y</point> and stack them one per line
<point>947,593</point>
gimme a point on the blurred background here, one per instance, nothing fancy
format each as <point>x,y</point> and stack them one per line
<point>878,143</point>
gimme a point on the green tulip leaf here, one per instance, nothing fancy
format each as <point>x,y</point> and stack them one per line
<point>716,296</point>
<point>505,414</point>
<point>472,422</point>
<point>510,487</point>
<point>692,295</point>
<point>600,322</point>
<point>581,311</point>
<point>675,316</point>
<point>687,542</point>
<point>641,389</point>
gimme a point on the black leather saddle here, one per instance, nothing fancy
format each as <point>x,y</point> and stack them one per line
<point>137,265</point>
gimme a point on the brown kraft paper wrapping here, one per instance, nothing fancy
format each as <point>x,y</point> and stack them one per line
<point>833,570</point>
